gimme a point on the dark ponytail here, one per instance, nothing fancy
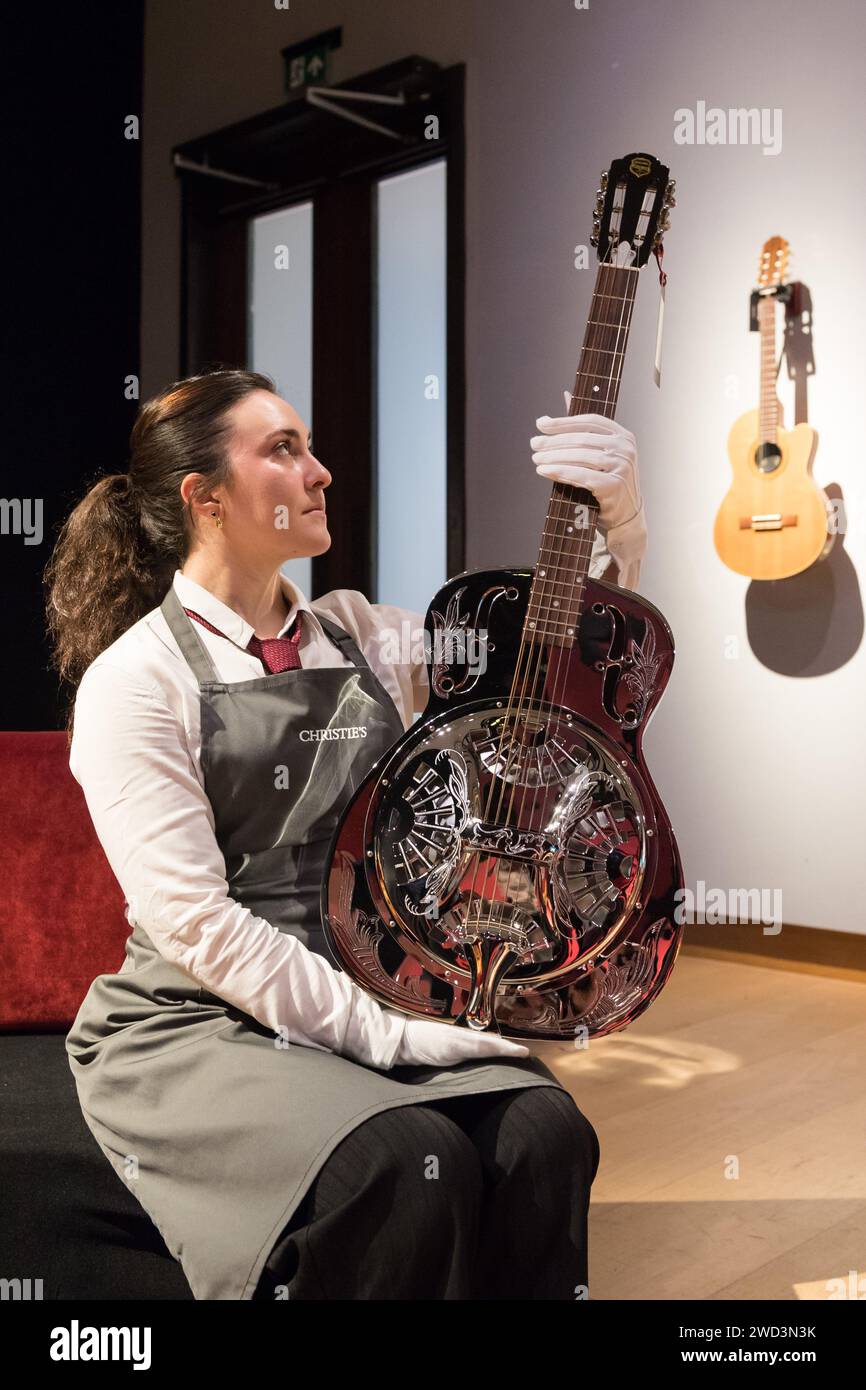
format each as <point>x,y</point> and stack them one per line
<point>118,549</point>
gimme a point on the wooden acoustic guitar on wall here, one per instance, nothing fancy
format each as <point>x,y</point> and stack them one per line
<point>774,520</point>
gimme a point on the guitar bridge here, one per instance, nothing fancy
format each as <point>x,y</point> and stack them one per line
<point>770,521</point>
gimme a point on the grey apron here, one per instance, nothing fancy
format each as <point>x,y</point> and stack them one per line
<point>215,1127</point>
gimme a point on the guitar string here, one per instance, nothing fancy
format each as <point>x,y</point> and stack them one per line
<point>561,502</point>
<point>591,356</point>
<point>553,691</point>
<point>583,552</point>
<point>606,284</point>
<point>511,716</point>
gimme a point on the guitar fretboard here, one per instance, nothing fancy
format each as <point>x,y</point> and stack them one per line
<point>769,406</point>
<point>556,596</point>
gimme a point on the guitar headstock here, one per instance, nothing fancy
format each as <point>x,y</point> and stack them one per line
<point>773,265</point>
<point>632,208</point>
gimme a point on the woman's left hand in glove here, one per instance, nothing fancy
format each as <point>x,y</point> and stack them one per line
<point>590,451</point>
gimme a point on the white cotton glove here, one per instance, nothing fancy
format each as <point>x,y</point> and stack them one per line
<point>431,1043</point>
<point>595,453</point>
<point>327,1002</point>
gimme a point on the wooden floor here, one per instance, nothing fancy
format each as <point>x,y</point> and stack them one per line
<point>732,1123</point>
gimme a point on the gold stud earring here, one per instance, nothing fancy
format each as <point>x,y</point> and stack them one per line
<point>219,520</point>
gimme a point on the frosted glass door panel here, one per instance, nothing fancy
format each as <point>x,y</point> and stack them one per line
<point>410,390</point>
<point>280,319</point>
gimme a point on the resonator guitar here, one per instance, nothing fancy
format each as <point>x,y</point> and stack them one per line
<point>508,864</point>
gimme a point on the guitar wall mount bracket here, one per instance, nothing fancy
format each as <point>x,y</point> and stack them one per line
<point>782,292</point>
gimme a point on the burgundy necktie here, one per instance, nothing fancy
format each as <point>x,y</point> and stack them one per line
<point>275,653</point>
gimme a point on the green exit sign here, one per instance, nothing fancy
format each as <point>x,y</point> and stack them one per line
<point>307,63</point>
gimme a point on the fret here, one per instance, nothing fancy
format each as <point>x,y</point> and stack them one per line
<point>565,640</point>
<point>572,523</point>
<point>599,319</point>
<point>556,591</point>
<point>571,530</point>
<point>616,352</point>
<point>616,324</point>
<point>552,605</point>
<point>549,622</point>
<point>578,563</point>
<point>564,615</point>
<point>549,564</point>
<point>560,617</point>
<point>553,628</point>
<point>555,598</point>
<point>548,556</point>
<point>567,569</point>
<point>568,630</point>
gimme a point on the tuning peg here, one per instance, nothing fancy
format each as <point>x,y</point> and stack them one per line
<point>671,190</point>
<point>599,199</point>
<point>593,240</point>
<point>604,180</point>
<point>670,201</point>
<point>664,219</point>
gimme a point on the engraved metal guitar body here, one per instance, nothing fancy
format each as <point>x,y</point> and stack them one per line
<point>559,917</point>
<point>508,864</point>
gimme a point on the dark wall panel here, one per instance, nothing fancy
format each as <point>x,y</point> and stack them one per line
<point>72,276</point>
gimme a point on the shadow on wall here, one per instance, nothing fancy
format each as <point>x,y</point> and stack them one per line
<point>812,623</point>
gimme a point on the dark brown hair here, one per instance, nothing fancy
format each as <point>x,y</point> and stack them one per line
<point>118,549</point>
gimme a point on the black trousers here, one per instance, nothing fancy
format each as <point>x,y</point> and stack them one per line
<point>474,1197</point>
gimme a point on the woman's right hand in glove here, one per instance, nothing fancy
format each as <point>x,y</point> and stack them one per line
<point>426,1042</point>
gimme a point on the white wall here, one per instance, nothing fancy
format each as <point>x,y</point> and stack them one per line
<point>761,771</point>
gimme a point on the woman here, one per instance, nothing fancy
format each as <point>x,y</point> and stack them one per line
<point>287,1134</point>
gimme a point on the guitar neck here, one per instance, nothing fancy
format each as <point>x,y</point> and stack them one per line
<point>769,404</point>
<point>556,597</point>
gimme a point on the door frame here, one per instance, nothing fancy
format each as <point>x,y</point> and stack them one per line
<point>337,164</point>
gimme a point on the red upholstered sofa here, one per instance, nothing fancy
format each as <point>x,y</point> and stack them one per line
<point>67,1218</point>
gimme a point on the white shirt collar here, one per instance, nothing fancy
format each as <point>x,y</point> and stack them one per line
<point>236,628</point>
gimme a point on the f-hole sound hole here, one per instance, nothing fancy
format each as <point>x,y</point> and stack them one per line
<point>767,458</point>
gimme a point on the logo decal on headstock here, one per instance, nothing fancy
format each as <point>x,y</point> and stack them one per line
<point>632,206</point>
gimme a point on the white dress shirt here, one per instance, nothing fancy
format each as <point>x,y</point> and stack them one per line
<point>136,752</point>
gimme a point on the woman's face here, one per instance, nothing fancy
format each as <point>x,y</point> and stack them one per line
<point>274,506</point>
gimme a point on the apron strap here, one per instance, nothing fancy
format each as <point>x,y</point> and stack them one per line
<point>184,631</point>
<point>349,649</point>
<point>341,639</point>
